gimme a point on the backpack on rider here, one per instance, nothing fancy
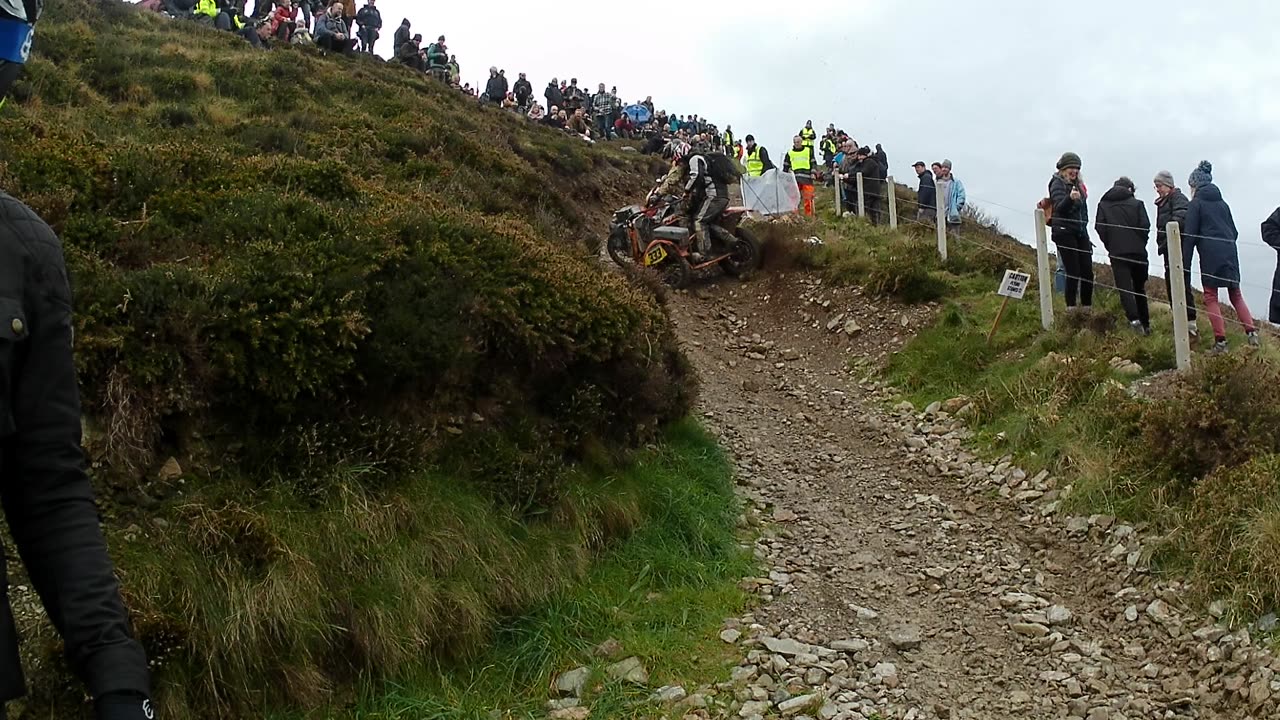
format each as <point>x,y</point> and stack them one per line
<point>722,168</point>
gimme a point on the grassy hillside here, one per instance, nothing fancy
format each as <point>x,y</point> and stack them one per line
<point>1193,456</point>
<point>360,314</point>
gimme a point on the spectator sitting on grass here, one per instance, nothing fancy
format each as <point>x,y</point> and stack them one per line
<point>578,124</point>
<point>282,21</point>
<point>331,31</point>
<point>410,53</point>
<point>535,111</point>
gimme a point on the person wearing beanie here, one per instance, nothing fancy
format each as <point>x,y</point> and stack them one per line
<point>1211,231</point>
<point>1070,230</point>
<point>951,195</point>
<point>1171,206</point>
<point>1124,228</point>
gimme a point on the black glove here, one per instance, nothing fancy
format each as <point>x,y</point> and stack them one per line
<point>124,706</point>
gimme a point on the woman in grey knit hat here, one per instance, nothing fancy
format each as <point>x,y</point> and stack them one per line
<point>1171,206</point>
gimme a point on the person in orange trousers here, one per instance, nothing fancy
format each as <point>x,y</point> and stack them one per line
<point>799,162</point>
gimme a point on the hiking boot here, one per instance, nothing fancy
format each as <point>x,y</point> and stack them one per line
<point>1254,339</point>
<point>1193,331</point>
<point>1219,347</point>
<point>1138,327</point>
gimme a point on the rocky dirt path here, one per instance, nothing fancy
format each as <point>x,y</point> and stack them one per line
<point>909,579</point>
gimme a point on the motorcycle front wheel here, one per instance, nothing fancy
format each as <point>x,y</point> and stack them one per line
<point>675,271</point>
<point>619,247</point>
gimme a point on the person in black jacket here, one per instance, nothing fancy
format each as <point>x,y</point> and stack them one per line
<point>1070,225</point>
<point>44,485</point>
<point>927,195</point>
<point>402,34</point>
<point>496,88</point>
<point>1271,234</point>
<point>1124,227</point>
<point>523,90</point>
<point>555,98</point>
<point>370,20</point>
<point>1171,206</point>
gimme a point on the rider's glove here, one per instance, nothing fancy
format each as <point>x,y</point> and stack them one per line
<point>124,706</point>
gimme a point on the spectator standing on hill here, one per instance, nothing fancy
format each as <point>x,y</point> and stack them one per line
<point>927,194</point>
<point>1069,199</point>
<point>954,197</point>
<point>402,34</point>
<point>554,97</point>
<point>728,140</point>
<point>370,20</point>
<point>348,14</point>
<point>809,136</point>
<point>1124,227</point>
<point>1171,206</point>
<point>873,184</point>
<point>758,162</point>
<point>829,147</point>
<point>45,492</point>
<point>882,158</point>
<point>574,98</point>
<point>455,70</point>
<point>438,63</point>
<point>331,31</point>
<point>1211,230</point>
<point>523,90</point>
<point>601,108</point>
<point>496,88</point>
<point>1271,234</point>
<point>799,162</point>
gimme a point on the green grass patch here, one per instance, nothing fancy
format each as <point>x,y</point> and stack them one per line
<point>663,592</point>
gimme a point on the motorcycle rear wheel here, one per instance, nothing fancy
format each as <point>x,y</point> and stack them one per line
<point>744,255</point>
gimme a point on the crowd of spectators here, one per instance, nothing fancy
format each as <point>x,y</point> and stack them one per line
<point>338,26</point>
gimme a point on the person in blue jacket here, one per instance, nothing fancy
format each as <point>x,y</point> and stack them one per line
<point>1211,231</point>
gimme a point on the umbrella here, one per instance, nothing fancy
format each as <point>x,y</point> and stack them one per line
<point>639,114</point>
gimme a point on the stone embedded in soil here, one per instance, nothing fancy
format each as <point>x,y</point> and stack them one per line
<point>668,694</point>
<point>609,649</point>
<point>730,636</point>
<point>786,646</point>
<point>905,637</point>
<point>629,670</point>
<point>573,682</point>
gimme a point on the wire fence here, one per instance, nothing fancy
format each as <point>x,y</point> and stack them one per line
<point>1216,316</point>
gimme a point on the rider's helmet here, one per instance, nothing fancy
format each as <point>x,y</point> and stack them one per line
<point>17,25</point>
<point>675,150</point>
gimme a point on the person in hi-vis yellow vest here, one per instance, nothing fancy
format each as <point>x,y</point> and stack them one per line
<point>757,158</point>
<point>799,162</point>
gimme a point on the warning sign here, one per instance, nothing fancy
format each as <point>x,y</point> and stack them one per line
<point>1014,284</point>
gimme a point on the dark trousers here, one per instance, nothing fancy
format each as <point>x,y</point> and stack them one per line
<point>602,127</point>
<point>368,36</point>
<point>1131,273</point>
<point>329,42</point>
<point>1186,283</point>
<point>1076,255</point>
<point>1273,310</point>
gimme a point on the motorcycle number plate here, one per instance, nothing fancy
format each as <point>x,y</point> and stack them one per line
<point>655,256</point>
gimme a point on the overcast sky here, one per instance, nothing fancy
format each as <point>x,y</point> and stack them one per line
<point>1001,87</point>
